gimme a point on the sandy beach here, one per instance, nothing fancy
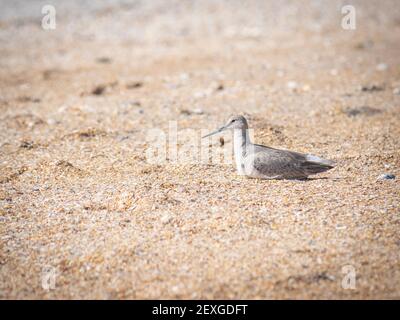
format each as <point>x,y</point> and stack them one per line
<point>84,214</point>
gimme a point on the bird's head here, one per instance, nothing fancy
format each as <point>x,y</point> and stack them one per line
<point>235,122</point>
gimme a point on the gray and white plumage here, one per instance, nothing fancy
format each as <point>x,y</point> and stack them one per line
<point>257,161</point>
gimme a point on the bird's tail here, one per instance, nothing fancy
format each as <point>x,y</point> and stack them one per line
<point>320,161</point>
<point>314,164</point>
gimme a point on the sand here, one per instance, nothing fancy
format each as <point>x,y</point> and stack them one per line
<point>84,214</point>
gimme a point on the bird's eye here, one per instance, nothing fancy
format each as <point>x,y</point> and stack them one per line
<point>233,120</point>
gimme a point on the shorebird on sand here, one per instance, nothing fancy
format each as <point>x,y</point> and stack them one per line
<point>257,161</point>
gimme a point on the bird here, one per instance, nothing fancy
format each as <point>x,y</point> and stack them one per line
<point>262,162</point>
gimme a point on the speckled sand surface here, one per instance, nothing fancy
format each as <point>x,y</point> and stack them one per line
<point>76,190</point>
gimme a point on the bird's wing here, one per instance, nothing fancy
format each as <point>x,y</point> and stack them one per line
<point>287,164</point>
<point>278,164</point>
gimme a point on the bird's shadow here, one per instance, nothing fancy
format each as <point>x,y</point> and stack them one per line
<point>309,179</point>
<point>301,179</point>
<point>315,178</point>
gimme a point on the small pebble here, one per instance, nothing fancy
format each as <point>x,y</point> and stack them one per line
<point>134,85</point>
<point>340,227</point>
<point>99,90</point>
<point>364,110</point>
<point>52,122</point>
<point>27,145</point>
<point>175,289</point>
<point>292,85</point>
<point>382,67</point>
<point>104,60</point>
<point>372,88</point>
<point>166,219</point>
<point>184,76</point>
<point>198,111</point>
<point>386,176</point>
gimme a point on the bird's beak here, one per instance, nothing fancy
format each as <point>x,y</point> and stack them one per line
<point>215,132</point>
